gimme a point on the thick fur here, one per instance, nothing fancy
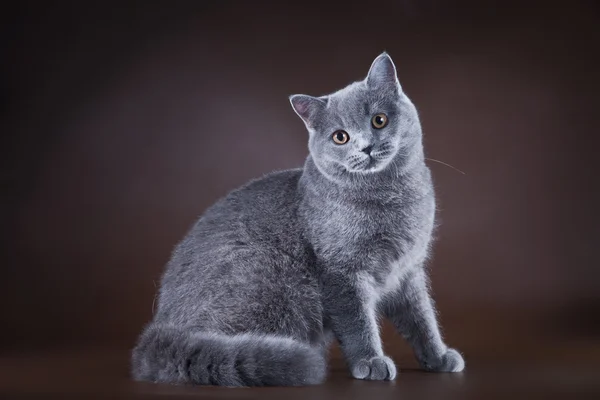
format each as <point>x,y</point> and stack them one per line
<point>272,272</point>
<point>215,359</point>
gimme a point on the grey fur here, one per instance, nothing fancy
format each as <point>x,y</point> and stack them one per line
<point>271,273</point>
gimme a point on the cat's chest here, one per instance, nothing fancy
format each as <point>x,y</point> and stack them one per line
<point>375,234</point>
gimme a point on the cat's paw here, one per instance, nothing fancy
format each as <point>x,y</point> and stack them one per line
<point>451,361</point>
<point>375,369</point>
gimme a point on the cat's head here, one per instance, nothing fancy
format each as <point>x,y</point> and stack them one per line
<point>363,128</point>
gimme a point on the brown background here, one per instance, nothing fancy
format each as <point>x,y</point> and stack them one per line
<point>122,123</point>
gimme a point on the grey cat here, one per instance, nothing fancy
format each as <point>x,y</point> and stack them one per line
<point>273,272</point>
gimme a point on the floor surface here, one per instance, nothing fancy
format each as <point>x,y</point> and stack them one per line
<point>503,366</point>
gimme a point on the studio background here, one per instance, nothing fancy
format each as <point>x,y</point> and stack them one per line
<point>122,123</point>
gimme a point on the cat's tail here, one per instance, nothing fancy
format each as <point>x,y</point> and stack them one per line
<point>170,354</point>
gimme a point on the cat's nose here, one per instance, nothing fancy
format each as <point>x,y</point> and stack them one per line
<point>367,150</point>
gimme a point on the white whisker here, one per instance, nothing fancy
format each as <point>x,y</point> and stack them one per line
<point>447,165</point>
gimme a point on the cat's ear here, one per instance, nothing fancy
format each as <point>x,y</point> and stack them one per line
<point>306,106</point>
<point>382,72</point>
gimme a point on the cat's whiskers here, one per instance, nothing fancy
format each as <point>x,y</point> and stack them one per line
<point>447,165</point>
<point>381,155</point>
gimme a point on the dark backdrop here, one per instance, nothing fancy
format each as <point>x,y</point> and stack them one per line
<point>121,123</point>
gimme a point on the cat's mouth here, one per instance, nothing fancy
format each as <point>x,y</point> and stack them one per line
<point>371,162</point>
<point>375,161</point>
<point>365,164</point>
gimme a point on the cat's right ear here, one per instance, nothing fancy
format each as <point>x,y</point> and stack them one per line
<point>306,107</point>
<point>383,73</point>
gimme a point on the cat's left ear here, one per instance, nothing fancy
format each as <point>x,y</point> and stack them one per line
<point>383,73</point>
<point>306,107</point>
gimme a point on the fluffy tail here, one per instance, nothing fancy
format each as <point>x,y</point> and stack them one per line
<point>174,355</point>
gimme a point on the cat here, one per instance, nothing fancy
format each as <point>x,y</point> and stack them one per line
<point>273,272</point>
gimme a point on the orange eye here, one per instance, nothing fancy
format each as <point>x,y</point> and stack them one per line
<point>340,137</point>
<point>379,121</point>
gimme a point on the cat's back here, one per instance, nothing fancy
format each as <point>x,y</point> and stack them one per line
<point>260,214</point>
<point>260,206</point>
<point>237,264</point>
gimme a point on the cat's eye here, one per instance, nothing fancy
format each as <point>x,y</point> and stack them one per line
<point>379,121</point>
<point>340,137</point>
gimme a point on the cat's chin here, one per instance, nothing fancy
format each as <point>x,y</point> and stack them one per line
<point>371,168</point>
<point>336,170</point>
<point>373,165</point>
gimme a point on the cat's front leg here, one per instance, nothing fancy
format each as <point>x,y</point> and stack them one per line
<point>350,313</point>
<point>411,310</point>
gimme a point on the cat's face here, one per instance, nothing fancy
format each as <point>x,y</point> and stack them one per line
<point>362,128</point>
